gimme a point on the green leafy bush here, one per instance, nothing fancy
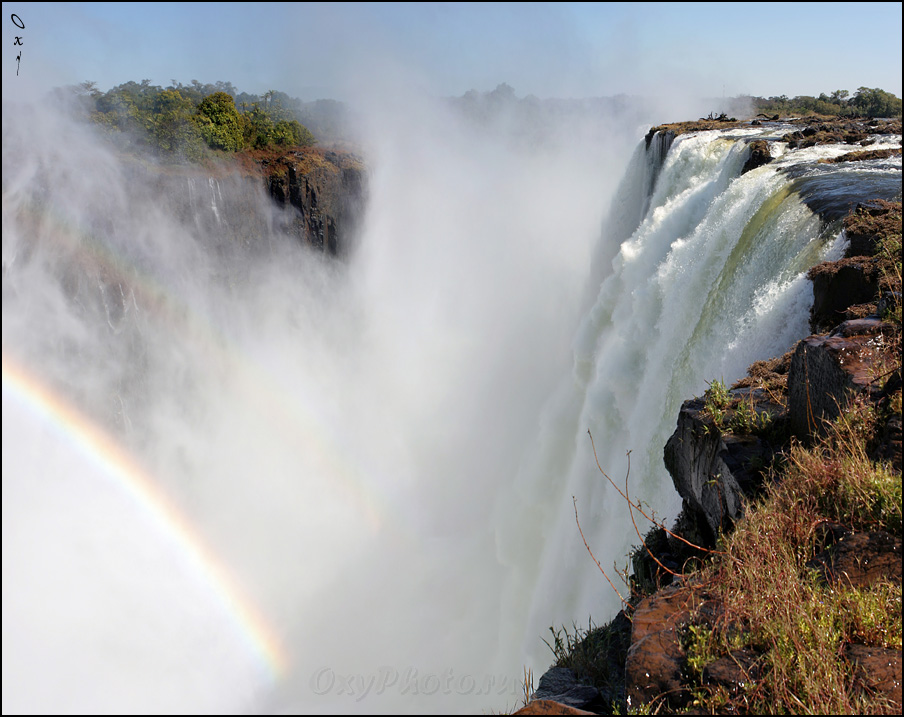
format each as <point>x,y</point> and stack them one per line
<point>219,122</point>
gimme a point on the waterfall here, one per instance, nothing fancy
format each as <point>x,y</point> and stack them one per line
<point>240,476</point>
<point>712,279</point>
<point>656,151</point>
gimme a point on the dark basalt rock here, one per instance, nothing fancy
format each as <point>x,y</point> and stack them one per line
<point>862,156</point>
<point>827,370</point>
<point>714,471</point>
<point>559,684</point>
<point>735,672</point>
<point>695,458</point>
<point>839,284</point>
<point>653,668</point>
<point>759,155</point>
<point>868,223</point>
<point>326,190</point>
<point>815,131</point>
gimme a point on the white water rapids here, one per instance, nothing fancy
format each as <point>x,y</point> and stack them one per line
<point>380,455</point>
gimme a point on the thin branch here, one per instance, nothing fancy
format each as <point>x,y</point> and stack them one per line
<point>640,510</point>
<point>631,508</point>
<point>881,376</point>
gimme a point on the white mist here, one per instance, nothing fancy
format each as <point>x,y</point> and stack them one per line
<point>343,438</point>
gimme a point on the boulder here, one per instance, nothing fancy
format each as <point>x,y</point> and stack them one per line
<point>838,285</point>
<point>861,559</point>
<point>561,685</point>
<point>759,155</point>
<point>880,668</point>
<point>735,672</point>
<point>713,470</point>
<point>653,668</point>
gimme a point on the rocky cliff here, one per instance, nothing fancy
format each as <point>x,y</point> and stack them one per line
<point>717,450</point>
<point>322,191</point>
<point>316,196</point>
<point>683,642</point>
<point>729,447</point>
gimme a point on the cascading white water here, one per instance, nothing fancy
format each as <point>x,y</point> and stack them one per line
<point>711,280</point>
<point>356,511</point>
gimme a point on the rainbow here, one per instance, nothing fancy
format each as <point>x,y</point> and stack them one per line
<point>289,418</point>
<point>139,485</point>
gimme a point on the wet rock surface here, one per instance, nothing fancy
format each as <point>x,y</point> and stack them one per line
<point>759,155</point>
<point>326,190</point>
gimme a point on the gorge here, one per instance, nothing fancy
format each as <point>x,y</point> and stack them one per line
<point>239,474</point>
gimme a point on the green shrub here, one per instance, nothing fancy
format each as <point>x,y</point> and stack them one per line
<point>219,122</point>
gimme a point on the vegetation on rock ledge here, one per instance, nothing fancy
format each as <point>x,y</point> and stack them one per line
<point>798,609</point>
<point>187,122</point>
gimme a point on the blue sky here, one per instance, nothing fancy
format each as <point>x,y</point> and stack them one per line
<point>315,50</point>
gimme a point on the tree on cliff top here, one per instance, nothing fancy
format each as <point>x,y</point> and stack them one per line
<point>174,130</point>
<point>219,122</point>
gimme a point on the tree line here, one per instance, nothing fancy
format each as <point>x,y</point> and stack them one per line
<point>865,102</point>
<point>190,121</point>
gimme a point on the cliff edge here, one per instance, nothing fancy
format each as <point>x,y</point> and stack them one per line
<point>779,587</point>
<point>324,189</point>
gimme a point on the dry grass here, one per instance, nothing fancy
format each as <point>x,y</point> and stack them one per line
<point>780,609</point>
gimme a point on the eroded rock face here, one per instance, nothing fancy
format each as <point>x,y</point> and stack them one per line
<point>838,285</point>
<point>327,190</point>
<point>696,459</point>
<point>759,155</point>
<point>711,470</point>
<point>827,370</point>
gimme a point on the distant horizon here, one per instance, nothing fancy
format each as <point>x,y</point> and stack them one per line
<point>304,96</point>
<point>350,52</point>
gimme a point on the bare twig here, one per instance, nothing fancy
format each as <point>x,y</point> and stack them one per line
<point>574,500</point>
<point>631,508</point>
<point>881,376</point>
<point>811,419</point>
<point>640,510</point>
